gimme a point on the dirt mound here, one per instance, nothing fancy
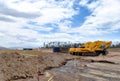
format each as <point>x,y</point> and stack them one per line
<point>15,66</point>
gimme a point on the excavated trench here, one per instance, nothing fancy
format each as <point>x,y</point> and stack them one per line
<point>16,67</point>
<point>78,70</point>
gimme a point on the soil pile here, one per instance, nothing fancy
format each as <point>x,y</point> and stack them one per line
<point>14,66</point>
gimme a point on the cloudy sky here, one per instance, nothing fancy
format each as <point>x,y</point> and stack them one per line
<point>25,23</point>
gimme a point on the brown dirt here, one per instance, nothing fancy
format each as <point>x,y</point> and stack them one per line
<point>28,52</point>
<point>15,66</point>
<point>101,68</point>
<point>18,65</point>
<point>114,49</point>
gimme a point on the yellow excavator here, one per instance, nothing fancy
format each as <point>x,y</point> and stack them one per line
<point>91,48</point>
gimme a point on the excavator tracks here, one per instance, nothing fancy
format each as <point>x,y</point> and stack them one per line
<point>96,53</point>
<point>84,54</point>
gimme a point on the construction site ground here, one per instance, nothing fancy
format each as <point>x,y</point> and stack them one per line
<point>25,65</point>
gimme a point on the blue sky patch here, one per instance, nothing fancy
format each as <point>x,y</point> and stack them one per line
<point>78,20</point>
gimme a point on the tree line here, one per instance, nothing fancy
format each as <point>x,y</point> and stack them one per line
<point>70,44</point>
<point>61,44</point>
<point>115,45</point>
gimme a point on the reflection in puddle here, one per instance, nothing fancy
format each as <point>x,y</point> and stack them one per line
<point>74,67</point>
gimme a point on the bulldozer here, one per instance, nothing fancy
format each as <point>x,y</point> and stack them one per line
<point>91,48</point>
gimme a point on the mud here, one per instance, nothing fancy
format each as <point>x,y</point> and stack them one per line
<point>59,67</point>
<point>79,71</point>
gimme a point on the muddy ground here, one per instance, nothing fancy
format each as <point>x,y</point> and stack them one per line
<point>101,68</point>
<point>16,66</point>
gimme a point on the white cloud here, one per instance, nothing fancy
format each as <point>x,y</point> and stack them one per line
<point>104,18</point>
<point>91,5</point>
<point>20,32</point>
<point>83,2</point>
<point>16,31</point>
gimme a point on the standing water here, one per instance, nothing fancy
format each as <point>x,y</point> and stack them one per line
<point>74,68</point>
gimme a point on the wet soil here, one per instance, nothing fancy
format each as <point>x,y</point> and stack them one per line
<point>79,70</point>
<point>59,67</point>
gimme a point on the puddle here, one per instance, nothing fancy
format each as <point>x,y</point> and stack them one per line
<point>77,68</point>
<point>73,67</point>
